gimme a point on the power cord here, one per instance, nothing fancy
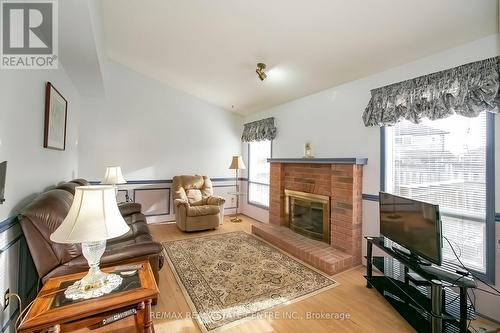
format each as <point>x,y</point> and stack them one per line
<point>496,291</point>
<point>473,301</point>
<point>10,295</point>
<point>454,284</point>
<point>21,311</point>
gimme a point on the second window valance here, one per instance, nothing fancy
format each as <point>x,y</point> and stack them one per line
<point>259,130</point>
<point>466,90</point>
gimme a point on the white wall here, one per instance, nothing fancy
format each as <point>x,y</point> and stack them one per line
<point>331,121</point>
<point>154,131</point>
<point>31,168</point>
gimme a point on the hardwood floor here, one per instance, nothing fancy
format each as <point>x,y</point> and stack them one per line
<point>367,310</point>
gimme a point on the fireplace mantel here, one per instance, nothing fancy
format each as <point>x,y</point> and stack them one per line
<point>341,160</point>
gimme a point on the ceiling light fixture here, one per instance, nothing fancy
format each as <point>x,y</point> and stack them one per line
<point>261,67</point>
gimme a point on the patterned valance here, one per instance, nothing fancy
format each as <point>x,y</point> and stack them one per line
<point>466,90</point>
<point>259,130</point>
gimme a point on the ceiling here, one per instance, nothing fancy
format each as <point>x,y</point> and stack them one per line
<point>210,48</point>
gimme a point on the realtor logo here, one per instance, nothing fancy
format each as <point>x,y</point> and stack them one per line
<point>28,34</point>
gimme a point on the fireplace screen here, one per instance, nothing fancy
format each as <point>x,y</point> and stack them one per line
<point>309,214</point>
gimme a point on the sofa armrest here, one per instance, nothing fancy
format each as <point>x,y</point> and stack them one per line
<point>215,200</point>
<point>122,253</point>
<point>129,208</point>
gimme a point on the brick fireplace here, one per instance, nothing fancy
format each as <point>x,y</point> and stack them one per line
<point>340,180</point>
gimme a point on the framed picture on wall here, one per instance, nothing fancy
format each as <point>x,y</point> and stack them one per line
<point>56,114</point>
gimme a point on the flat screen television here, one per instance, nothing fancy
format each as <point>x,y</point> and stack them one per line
<point>415,225</point>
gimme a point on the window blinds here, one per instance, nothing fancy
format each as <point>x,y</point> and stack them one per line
<point>444,162</point>
<point>259,172</point>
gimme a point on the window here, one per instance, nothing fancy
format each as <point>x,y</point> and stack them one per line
<point>258,172</point>
<point>445,162</point>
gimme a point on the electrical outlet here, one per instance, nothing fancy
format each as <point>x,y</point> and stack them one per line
<point>6,299</point>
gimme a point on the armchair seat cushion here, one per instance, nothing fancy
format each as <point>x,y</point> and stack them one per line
<point>203,210</point>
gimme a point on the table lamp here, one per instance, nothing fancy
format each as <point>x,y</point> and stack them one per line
<point>92,219</point>
<point>237,164</point>
<point>113,176</point>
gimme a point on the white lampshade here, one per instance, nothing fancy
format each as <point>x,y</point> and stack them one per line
<point>93,216</point>
<point>237,163</point>
<point>113,176</point>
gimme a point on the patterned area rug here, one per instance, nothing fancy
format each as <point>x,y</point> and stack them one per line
<point>233,276</point>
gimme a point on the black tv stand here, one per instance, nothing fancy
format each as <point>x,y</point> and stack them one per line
<point>420,292</point>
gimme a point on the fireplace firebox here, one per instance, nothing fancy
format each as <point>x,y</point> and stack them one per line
<point>308,214</point>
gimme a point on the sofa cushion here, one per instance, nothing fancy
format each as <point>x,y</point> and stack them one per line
<point>136,230</point>
<point>69,187</point>
<point>80,182</point>
<point>202,210</point>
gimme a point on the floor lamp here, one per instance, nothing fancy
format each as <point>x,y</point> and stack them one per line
<point>237,164</point>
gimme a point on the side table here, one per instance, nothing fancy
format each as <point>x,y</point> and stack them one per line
<point>53,312</point>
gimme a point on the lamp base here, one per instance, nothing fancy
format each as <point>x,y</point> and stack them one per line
<point>95,283</point>
<point>93,286</point>
<point>236,219</point>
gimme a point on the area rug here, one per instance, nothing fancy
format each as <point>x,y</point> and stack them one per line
<point>233,276</point>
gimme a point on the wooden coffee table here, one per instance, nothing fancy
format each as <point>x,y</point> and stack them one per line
<point>52,312</point>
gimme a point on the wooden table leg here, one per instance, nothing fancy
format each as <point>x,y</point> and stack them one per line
<point>148,323</point>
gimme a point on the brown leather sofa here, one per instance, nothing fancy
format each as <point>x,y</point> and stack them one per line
<point>195,206</point>
<point>42,216</point>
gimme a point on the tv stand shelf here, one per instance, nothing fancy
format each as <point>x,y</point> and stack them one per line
<point>421,294</point>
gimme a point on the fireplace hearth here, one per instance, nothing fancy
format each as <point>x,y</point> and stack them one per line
<point>308,214</point>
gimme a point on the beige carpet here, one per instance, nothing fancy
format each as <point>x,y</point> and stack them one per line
<point>233,276</point>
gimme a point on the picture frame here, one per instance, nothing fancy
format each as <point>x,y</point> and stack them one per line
<point>56,116</point>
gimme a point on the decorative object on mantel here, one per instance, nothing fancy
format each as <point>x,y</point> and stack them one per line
<point>237,164</point>
<point>466,90</point>
<point>93,218</point>
<point>308,150</point>
<point>247,274</point>
<point>56,110</point>
<point>259,130</point>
